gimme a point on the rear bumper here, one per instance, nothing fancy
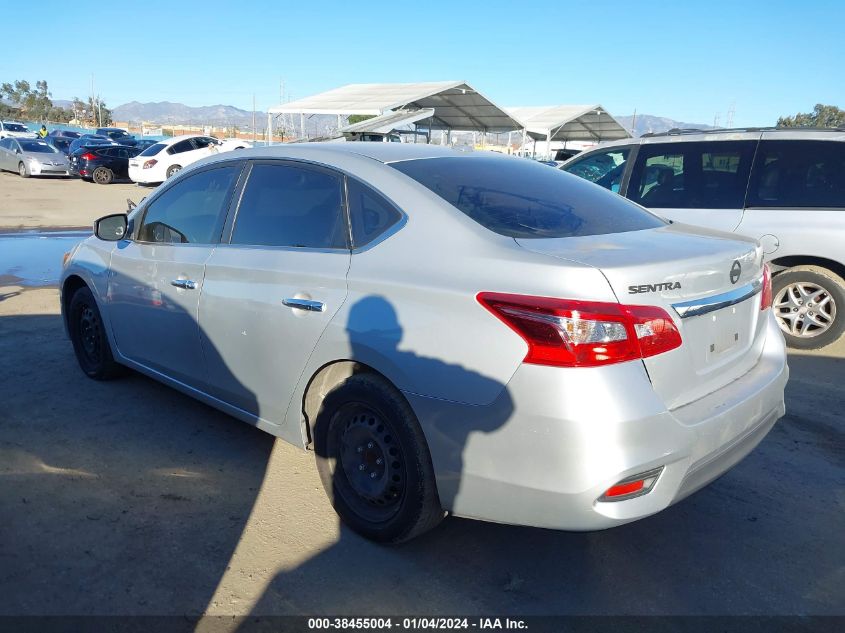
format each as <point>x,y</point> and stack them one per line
<point>556,439</point>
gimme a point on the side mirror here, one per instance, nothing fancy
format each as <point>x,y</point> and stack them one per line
<point>17,151</point>
<point>111,228</point>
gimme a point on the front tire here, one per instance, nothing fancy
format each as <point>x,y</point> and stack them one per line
<point>809,305</point>
<point>88,335</point>
<point>103,176</point>
<point>22,170</point>
<point>173,170</point>
<point>374,461</point>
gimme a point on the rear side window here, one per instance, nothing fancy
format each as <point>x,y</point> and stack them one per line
<point>603,168</point>
<point>192,210</point>
<point>524,199</point>
<point>152,150</point>
<point>287,205</point>
<point>370,214</point>
<point>181,146</point>
<point>798,174</point>
<point>707,175</point>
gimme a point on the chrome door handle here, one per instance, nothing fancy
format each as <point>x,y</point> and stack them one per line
<point>304,304</point>
<point>187,284</point>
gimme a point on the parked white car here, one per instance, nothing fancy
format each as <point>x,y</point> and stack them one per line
<point>12,129</point>
<point>159,162</point>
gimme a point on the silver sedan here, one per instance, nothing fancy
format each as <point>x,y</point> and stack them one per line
<point>32,157</point>
<point>458,333</point>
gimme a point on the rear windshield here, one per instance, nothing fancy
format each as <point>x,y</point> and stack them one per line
<point>14,127</point>
<point>41,147</point>
<point>521,198</point>
<point>152,150</point>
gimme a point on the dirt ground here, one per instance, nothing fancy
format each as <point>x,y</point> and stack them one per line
<point>128,498</point>
<point>60,202</point>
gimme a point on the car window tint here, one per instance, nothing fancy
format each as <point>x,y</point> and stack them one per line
<point>192,210</point>
<point>692,175</point>
<point>6,144</point>
<point>152,150</point>
<point>286,205</point>
<point>525,199</point>
<point>370,214</point>
<point>798,174</point>
<point>603,168</point>
<point>181,146</point>
<point>200,142</point>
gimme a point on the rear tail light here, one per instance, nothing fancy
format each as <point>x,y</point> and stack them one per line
<point>631,487</point>
<point>150,163</point>
<point>88,156</point>
<point>766,294</point>
<point>566,333</point>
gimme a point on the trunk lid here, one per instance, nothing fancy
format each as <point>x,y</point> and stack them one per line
<point>709,277</point>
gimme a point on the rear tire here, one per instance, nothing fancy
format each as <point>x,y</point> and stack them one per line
<point>103,176</point>
<point>172,170</point>
<point>809,305</point>
<point>374,461</point>
<point>88,335</point>
<point>22,170</point>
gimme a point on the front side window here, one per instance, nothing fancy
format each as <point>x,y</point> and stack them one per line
<point>6,143</point>
<point>603,168</point>
<point>192,210</point>
<point>525,199</point>
<point>692,175</point>
<point>370,214</point>
<point>292,206</point>
<point>798,174</point>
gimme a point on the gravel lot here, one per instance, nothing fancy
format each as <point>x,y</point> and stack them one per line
<point>130,498</point>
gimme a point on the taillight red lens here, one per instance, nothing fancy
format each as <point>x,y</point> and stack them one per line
<point>766,294</point>
<point>150,163</point>
<point>567,333</point>
<point>88,156</point>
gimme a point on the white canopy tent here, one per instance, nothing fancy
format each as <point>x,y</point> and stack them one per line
<point>456,105</point>
<point>590,123</point>
<point>386,123</point>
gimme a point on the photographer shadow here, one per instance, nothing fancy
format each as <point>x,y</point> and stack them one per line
<point>356,576</point>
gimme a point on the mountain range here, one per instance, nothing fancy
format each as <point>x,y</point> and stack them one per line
<point>169,112</point>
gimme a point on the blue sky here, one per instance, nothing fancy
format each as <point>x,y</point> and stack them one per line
<point>685,60</point>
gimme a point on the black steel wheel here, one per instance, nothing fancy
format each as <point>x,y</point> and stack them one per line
<point>88,335</point>
<point>374,462</point>
<point>103,176</point>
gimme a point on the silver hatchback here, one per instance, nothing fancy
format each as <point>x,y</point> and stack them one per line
<point>32,157</point>
<point>464,333</point>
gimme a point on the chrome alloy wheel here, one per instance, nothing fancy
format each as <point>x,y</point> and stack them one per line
<point>804,309</point>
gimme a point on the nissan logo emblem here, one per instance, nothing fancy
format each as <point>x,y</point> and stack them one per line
<point>736,271</point>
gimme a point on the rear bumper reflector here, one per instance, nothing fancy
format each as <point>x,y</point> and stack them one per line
<point>634,486</point>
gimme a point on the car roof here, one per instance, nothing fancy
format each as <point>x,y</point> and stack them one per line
<point>740,134</point>
<point>382,152</point>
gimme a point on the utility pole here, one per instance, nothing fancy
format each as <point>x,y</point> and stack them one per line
<point>253,117</point>
<point>731,111</point>
<point>634,123</point>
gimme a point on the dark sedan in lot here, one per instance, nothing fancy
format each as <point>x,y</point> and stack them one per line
<point>102,164</point>
<point>61,143</point>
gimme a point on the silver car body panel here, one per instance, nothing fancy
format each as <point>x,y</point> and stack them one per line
<point>509,441</point>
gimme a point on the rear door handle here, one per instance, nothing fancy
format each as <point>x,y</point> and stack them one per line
<point>187,284</point>
<point>304,304</point>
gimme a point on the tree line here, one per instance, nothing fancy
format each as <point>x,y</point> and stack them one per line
<point>35,104</point>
